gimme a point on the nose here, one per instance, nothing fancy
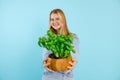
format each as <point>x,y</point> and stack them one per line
<point>54,21</point>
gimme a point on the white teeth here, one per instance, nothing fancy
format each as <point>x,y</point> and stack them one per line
<point>56,27</point>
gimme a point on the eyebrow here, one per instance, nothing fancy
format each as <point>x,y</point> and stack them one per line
<point>51,19</point>
<point>55,18</point>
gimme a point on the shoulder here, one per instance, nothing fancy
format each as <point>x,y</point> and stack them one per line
<point>46,36</point>
<point>74,35</point>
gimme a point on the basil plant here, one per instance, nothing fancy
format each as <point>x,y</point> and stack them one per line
<point>59,44</point>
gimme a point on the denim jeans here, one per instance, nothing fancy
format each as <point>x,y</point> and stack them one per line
<point>57,76</point>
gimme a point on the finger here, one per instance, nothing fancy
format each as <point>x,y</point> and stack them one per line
<point>74,61</point>
<point>49,69</point>
<point>71,63</point>
<point>46,64</point>
<point>45,61</point>
<point>69,68</point>
<point>67,71</point>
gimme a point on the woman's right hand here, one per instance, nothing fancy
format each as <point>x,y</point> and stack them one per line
<point>46,63</point>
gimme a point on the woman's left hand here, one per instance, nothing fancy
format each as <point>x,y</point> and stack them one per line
<point>72,65</point>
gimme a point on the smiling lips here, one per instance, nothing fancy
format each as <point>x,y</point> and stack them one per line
<point>56,27</point>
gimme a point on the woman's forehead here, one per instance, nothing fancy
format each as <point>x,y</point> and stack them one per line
<point>54,15</point>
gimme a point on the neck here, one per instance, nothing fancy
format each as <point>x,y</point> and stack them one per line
<point>58,31</point>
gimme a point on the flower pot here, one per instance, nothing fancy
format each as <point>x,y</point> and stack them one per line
<point>59,64</point>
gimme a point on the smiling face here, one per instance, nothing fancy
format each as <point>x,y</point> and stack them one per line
<point>55,21</point>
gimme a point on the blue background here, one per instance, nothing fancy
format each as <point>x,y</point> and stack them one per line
<point>96,22</point>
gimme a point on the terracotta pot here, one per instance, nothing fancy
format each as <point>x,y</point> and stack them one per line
<point>59,64</point>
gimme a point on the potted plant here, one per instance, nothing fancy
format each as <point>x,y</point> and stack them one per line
<point>61,46</point>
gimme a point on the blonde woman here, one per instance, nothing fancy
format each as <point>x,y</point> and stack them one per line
<point>58,25</point>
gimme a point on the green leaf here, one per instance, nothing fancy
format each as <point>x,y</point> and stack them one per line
<point>73,50</point>
<point>59,44</point>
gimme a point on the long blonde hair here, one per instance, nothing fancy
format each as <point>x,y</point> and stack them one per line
<point>64,29</point>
